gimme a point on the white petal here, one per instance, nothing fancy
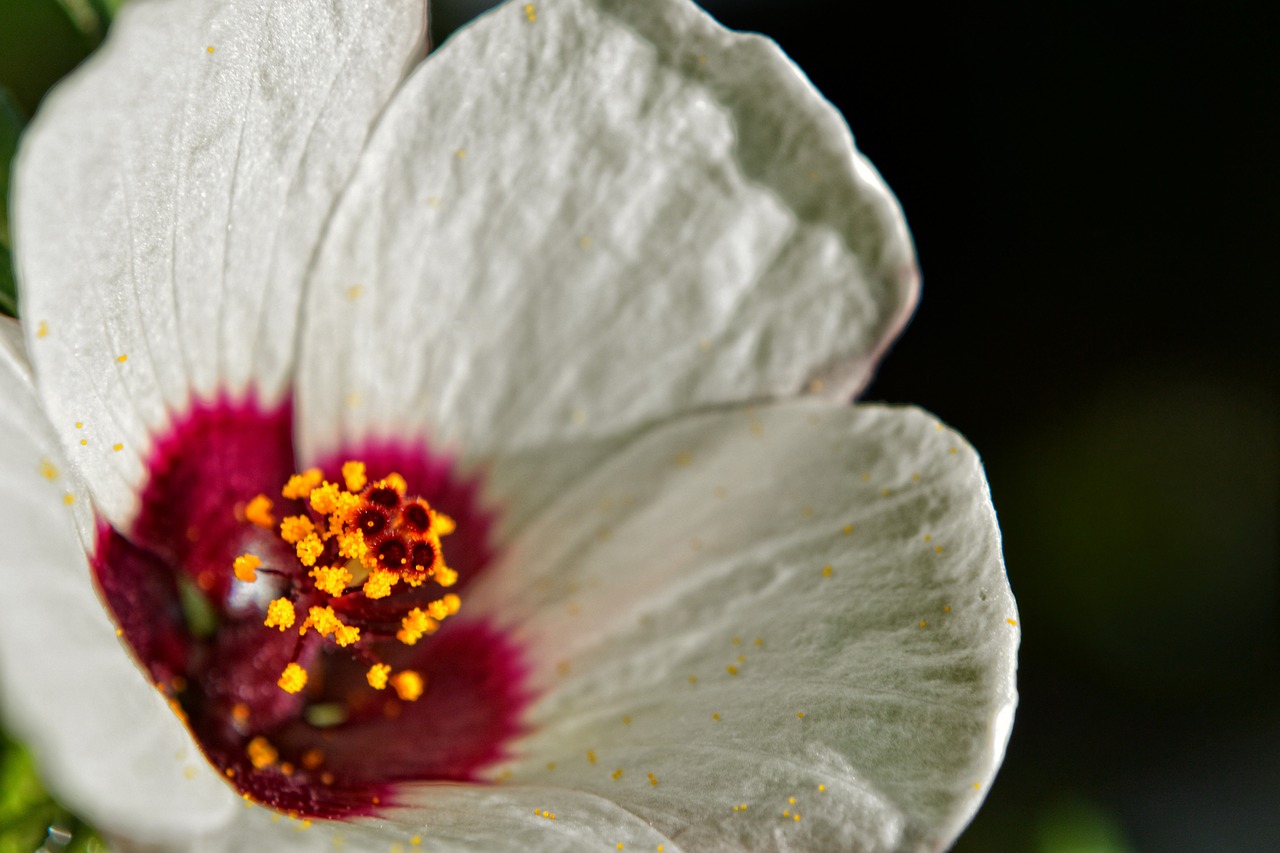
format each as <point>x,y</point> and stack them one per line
<point>104,739</point>
<point>571,226</point>
<point>703,548</point>
<point>168,199</point>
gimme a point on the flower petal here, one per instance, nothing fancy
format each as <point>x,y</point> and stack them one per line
<point>578,217</point>
<point>105,740</point>
<point>168,199</point>
<point>753,604</point>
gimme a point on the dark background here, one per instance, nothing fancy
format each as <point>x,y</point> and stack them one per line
<point>1093,195</point>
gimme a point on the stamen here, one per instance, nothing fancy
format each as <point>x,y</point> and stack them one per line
<point>245,567</point>
<point>280,614</point>
<point>295,528</point>
<point>377,676</point>
<point>258,511</point>
<point>408,685</point>
<point>293,679</point>
<point>300,485</point>
<point>361,540</point>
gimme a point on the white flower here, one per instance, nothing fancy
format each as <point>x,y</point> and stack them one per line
<point>571,274</point>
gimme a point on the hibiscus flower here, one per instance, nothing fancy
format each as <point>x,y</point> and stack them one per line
<point>456,452</point>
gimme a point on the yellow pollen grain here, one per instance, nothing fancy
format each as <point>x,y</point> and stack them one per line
<point>946,608</point>
<point>937,549</point>
<point>954,450</point>
<point>735,641</point>
<point>551,765</point>
<point>293,679</point>
<point>461,153</point>
<point>353,475</point>
<point>591,756</point>
<point>245,567</point>
<point>83,442</point>
<point>693,679</point>
<point>117,447</point>
<point>240,713</point>
<point>715,717</point>
<point>294,528</point>
<point>928,538</point>
<point>796,817</point>
<point>885,492</point>
<point>377,676</point>
<point>617,774</point>
<point>653,780</point>
<point>354,292</point>
<point>924,624</point>
<point>977,785</point>
<point>532,15</point>
<point>42,330</point>
<point>731,669</point>
<point>312,758</point>
<point>1012,621</point>
<point>309,550</point>
<point>684,459</point>
<point>261,753</point>
<point>822,788</point>
<point>408,685</point>
<point>800,715</point>
<point>334,579</point>
<point>79,424</point>
<point>847,529</point>
<point>826,571</point>
<point>759,642</point>
<point>122,358</point>
<point>209,49</point>
<point>48,470</point>
<point>258,511</point>
<point>417,839</point>
<point>280,614</point>
<point>807,511</point>
<point>626,721</point>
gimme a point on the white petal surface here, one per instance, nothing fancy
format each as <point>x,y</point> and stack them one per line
<point>688,578</point>
<point>168,199</point>
<point>578,217</point>
<point>105,741</point>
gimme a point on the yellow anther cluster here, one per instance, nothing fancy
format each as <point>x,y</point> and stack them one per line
<point>379,583</point>
<point>295,528</point>
<point>280,614</point>
<point>333,580</point>
<point>415,625</point>
<point>258,511</point>
<point>354,476</point>
<point>377,675</point>
<point>408,685</point>
<point>325,621</point>
<point>293,679</point>
<point>300,485</point>
<point>245,567</point>
<point>309,549</point>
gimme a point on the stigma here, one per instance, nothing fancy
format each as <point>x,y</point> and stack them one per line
<point>353,542</point>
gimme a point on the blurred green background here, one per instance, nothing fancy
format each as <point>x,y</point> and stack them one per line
<point>1092,190</point>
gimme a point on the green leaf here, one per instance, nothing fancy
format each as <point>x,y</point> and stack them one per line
<point>27,812</point>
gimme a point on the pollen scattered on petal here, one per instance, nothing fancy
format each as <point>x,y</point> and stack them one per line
<point>245,567</point>
<point>408,684</point>
<point>309,550</point>
<point>280,614</point>
<point>122,358</point>
<point>826,571</point>
<point>48,470</point>
<point>209,49</point>
<point>617,774</point>
<point>42,330</point>
<point>591,756</point>
<point>530,12</point>
<point>117,447</point>
<point>377,676</point>
<point>261,753</point>
<point>293,679</point>
<point>1012,621</point>
<point>294,528</point>
<point>353,474</point>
